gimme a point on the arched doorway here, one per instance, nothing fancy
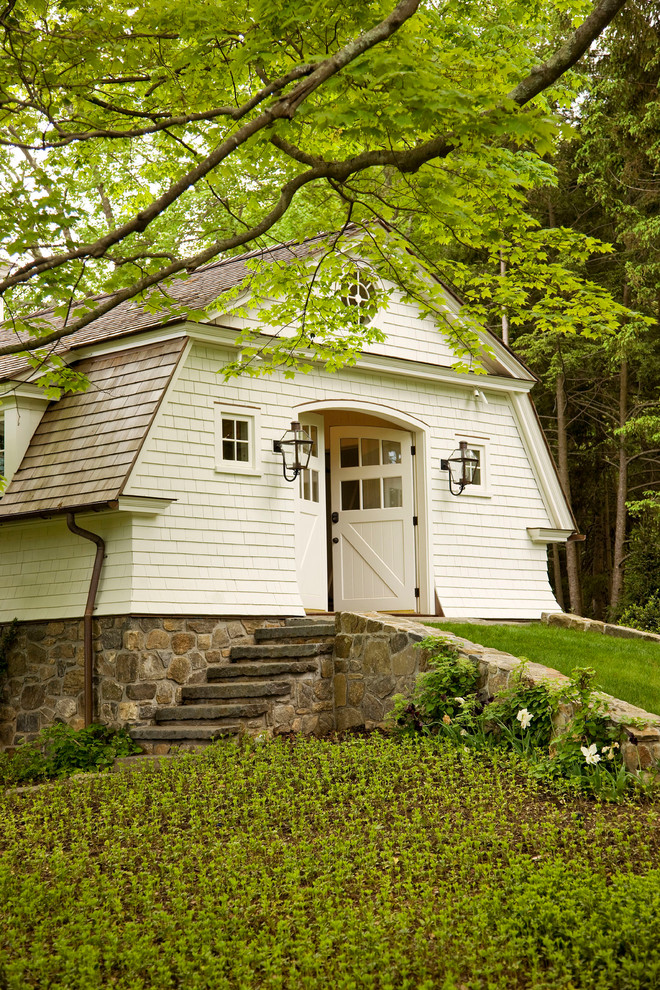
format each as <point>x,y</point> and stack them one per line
<point>362,510</point>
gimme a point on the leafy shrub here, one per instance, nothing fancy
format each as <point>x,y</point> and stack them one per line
<point>645,616</point>
<point>521,719</point>
<point>60,751</point>
<point>440,693</point>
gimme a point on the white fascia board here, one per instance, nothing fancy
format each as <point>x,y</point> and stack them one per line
<point>226,337</point>
<point>143,505</point>
<point>24,390</point>
<point>129,341</point>
<point>540,535</point>
<point>552,493</point>
<point>383,365</point>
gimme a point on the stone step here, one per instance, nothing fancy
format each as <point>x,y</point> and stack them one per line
<point>177,733</point>
<point>311,630</point>
<point>217,711</point>
<point>271,668</point>
<point>303,620</point>
<point>278,651</point>
<point>234,689</point>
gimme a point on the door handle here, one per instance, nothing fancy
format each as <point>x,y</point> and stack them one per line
<point>335,517</point>
<point>335,539</point>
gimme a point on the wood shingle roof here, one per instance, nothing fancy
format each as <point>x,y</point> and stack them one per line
<point>198,290</point>
<point>82,452</point>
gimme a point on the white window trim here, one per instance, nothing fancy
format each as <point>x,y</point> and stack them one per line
<point>253,416</point>
<point>481,444</point>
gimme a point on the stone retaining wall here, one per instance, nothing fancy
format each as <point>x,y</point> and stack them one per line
<point>375,658</point>
<point>566,620</point>
<point>140,665</point>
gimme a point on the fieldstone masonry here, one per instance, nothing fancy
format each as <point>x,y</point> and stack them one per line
<point>375,657</point>
<point>142,665</point>
<point>566,620</point>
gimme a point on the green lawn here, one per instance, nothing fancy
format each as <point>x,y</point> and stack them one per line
<point>628,669</point>
<point>315,865</point>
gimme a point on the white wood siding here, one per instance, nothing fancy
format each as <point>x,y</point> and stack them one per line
<point>408,336</point>
<point>46,569</point>
<point>226,546</point>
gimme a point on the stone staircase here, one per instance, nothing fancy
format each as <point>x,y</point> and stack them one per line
<point>282,683</point>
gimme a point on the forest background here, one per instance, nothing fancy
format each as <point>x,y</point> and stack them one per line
<point>514,148</point>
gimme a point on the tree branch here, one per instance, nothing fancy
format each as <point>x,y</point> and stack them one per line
<point>284,108</point>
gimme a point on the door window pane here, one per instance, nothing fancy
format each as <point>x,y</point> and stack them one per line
<point>350,494</point>
<point>315,486</point>
<point>371,493</point>
<point>348,452</point>
<point>313,432</point>
<point>391,452</point>
<point>370,451</point>
<point>306,493</point>
<point>393,492</point>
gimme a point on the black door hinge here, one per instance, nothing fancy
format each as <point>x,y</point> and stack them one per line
<point>416,592</point>
<point>413,450</point>
<point>414,520</point>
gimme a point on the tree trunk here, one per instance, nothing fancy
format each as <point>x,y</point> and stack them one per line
<point>556,563</point>
<point>572,558</point>
<point>621,495</point>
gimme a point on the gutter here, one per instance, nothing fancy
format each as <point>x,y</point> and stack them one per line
<point>89,612</point>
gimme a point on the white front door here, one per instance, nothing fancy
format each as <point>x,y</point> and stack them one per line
<point>373,543</point>
<point>311,537</point>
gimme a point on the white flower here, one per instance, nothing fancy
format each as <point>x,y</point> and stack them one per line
<point>461,701</point>
<point>524,717</point>
<point>590,754</point>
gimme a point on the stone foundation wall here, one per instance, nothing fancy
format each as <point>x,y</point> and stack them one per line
<point>140,665</point>
<point>375,658</point>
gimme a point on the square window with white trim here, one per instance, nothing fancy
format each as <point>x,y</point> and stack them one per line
<point>479,484</point>
<point>237,436</point>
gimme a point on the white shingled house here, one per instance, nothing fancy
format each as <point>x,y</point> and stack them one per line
<point>176,471</point>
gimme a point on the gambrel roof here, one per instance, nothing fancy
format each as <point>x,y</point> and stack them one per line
<point>201,289</point>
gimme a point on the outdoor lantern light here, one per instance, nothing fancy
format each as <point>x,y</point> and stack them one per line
<point>461,466</point>
<point>296,450</point>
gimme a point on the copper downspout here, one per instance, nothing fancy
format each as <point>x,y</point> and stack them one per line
<point>89,612</point>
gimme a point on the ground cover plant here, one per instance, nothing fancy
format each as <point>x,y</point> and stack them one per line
<point>365,863</point>
<point>628,669</point>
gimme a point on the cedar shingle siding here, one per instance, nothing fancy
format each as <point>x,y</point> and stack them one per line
<point>83,449</point>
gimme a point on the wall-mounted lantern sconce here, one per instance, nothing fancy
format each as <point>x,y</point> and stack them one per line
<point>461,466</point>
<point>296,450</point>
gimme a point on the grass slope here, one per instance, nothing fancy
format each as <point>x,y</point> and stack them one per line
<point>363,864</point>
<point>628,669</point>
